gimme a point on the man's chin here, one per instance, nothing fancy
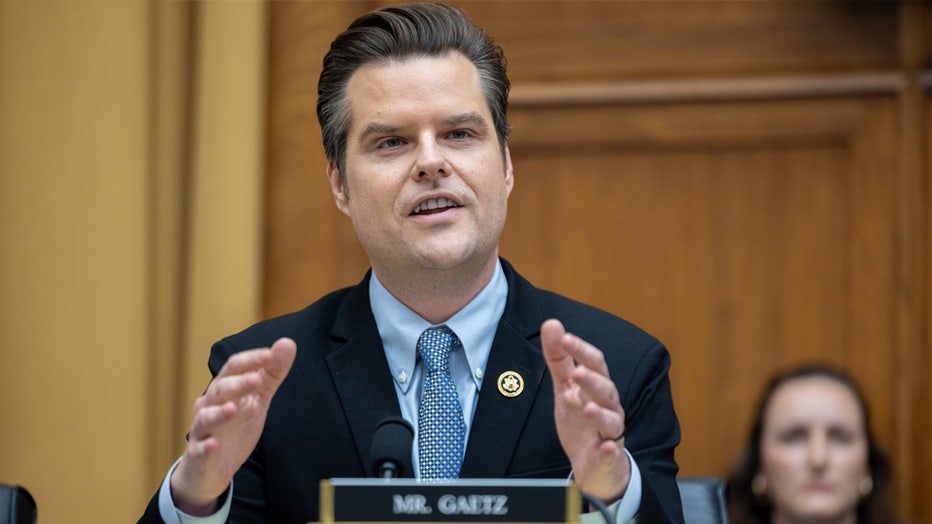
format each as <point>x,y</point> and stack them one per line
<point>457,258</point>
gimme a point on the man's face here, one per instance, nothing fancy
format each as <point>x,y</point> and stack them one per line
<point>427,183</point>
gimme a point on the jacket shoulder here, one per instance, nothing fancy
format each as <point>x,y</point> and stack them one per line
<point>305,326</point>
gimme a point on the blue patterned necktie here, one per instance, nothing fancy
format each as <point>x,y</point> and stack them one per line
<point>440,426</point>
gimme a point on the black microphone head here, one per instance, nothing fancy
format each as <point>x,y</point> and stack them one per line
<point>391,448</point>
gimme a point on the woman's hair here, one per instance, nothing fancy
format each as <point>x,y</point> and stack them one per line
<point>745,507</point>
<point>395,34</point>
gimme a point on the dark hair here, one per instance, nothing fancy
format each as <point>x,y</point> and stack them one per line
<point>745,507</point>
<point>398,33</point>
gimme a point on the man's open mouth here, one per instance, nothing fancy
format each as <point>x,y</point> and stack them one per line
<point>434,205</point>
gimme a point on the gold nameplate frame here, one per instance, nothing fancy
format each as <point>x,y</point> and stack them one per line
<point>362,500</point>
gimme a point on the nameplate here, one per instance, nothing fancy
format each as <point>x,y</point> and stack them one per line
<point>466,500</point>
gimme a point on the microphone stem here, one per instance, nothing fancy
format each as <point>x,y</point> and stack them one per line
<point>387,471</point>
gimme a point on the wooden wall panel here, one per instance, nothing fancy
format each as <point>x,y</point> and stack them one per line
<point>748,181</point>
<point>557,41</point>
<point>311,247</point>
<point>921,362</point>
<point>762,244</point>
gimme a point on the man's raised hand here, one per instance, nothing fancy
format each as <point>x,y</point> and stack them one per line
<point>227,423</point>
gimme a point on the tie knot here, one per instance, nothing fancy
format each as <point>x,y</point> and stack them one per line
<point>434,345</point>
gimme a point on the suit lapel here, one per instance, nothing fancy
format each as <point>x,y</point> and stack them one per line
<point>499,421</point>
<point>360,371</point>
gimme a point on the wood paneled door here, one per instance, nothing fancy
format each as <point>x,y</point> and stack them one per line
<point>748,182</point>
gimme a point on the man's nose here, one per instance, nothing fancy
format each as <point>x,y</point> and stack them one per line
<point>431,161</point>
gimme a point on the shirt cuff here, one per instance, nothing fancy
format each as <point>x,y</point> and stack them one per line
<point>172,515</point>
<point>625,509</point>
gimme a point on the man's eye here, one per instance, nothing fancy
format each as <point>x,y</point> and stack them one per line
<point>459,134</point>
<point>390,143</point>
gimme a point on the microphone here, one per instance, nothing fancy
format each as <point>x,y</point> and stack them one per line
<point>390,455</point>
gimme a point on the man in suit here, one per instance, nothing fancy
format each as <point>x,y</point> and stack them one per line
<point>412,104</point>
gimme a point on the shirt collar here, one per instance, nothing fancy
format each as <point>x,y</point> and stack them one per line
<point>475,325</point>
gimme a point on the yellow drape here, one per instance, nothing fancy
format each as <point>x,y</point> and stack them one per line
<point>131,168</point>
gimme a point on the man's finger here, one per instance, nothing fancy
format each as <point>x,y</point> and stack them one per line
<point>245,361</point>
<point>206,420</point>
<point>231,388</point>
<point>283,353</point>
<point>597,387</point>
<point>552,335</point>
<point>609,424</point>
<point>586,354</point>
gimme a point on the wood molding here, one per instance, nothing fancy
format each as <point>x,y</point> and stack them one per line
<point>709,90</point>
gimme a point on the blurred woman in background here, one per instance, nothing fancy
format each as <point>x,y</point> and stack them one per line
<point>811,456</point>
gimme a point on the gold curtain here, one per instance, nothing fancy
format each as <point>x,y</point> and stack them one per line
<point>131,169</point>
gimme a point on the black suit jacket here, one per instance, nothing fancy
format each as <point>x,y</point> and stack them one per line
<point>321,420</point>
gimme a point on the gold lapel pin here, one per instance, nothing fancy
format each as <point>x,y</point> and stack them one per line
<point>510,384</point>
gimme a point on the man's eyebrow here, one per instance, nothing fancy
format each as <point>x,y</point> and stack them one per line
<point>377,128</point>
<point>470,117</point>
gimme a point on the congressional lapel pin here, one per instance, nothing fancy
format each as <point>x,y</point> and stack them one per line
<point>510,384</point>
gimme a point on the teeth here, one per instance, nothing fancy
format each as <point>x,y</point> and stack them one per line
<point>434,203</point>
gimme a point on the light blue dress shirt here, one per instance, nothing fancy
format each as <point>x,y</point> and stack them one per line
<point>399,327</point>
<point>475,327</point>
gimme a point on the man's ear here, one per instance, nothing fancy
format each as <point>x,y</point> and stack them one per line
<point>509,171</point>
<point>337,188</point>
